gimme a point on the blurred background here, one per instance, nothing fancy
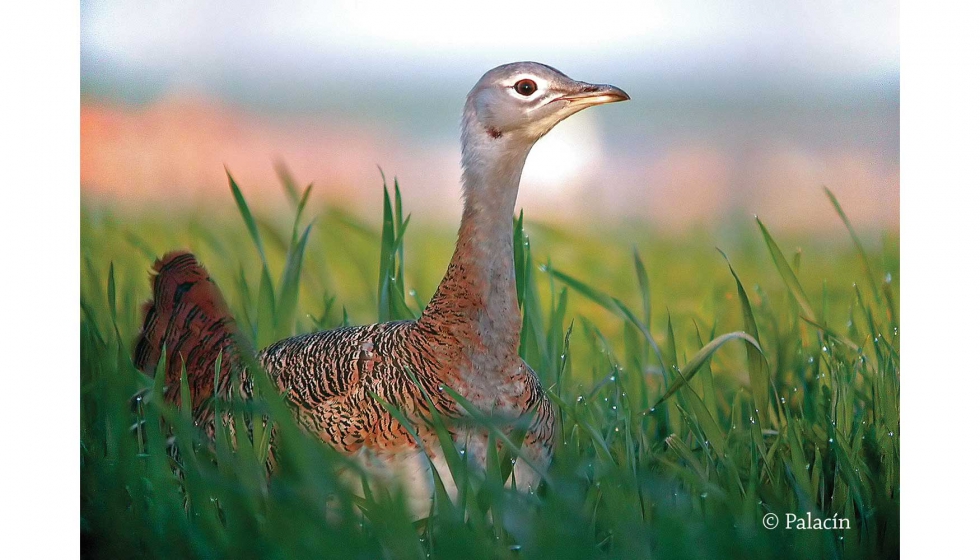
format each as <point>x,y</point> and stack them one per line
<point>738,108</point>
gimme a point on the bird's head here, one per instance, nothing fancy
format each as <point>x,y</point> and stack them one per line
<point>522,101</point>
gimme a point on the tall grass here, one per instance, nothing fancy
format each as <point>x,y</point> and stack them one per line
<point>770,385</point>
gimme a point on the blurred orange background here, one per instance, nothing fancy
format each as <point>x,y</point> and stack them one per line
<point>736,110</point>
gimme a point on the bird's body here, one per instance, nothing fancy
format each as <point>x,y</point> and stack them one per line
<point>331,375</point>
<point>467,338</point>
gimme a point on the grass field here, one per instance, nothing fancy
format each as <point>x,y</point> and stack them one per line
<point>677,437</point>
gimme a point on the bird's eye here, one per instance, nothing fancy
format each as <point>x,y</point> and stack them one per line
<point>526,87</point>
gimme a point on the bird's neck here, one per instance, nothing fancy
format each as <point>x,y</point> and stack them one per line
<point>476,303</point>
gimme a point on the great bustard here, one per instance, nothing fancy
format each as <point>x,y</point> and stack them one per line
<point>467,337</point>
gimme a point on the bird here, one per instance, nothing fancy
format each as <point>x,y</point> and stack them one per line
<point>467,337</point>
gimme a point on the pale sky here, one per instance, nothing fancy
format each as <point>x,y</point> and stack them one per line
<point>193,42</point>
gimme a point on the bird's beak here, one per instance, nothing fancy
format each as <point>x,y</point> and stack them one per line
<point>595,94</point>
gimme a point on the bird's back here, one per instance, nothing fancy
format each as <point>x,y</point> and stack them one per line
<point>335,379</point>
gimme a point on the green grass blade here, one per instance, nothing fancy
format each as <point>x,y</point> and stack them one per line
<point>865,262</point>
<point>612,305</point>
<point>265,320</point>
<point>644,282</point>
<point>699,359</point>
<point>759,378</point>
<point>243,209</point>
<point>289,287</point>
<point>287,182</point>
<point>299,213</point>
<point>520,259</point>
<point>787,274</point>
<point>111,295</point>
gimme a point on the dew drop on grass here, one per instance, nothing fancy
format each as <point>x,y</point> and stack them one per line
<point>782,400</point>
<point>891,434</point>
